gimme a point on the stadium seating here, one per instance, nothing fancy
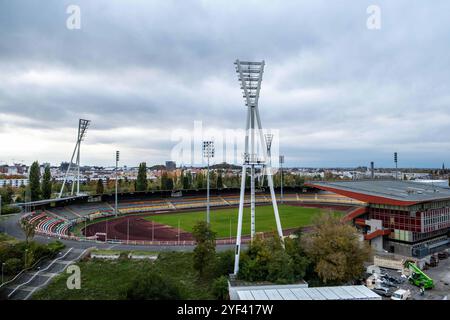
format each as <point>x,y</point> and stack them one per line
<point>57,221</point>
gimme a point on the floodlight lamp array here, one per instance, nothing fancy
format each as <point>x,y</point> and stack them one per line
<point>208,149</point>
<point>250,76</point>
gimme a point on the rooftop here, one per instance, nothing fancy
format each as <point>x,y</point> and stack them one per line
<point>394,192</point>
<point>300,292</point>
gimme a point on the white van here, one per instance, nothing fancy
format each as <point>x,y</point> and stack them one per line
<point>401,294</point>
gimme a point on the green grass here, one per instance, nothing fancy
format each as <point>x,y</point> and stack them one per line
<point>108,280</point>
<point>222,219</point>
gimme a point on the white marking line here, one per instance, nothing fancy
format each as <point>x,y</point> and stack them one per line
<point>45,283</point>
<point>33,277</point>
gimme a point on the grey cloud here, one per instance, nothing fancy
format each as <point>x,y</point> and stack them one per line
<point>384,90</point>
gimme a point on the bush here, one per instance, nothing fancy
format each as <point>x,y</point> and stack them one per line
<point>10,209</point>
<point>153,286</point>
<point>266,260</point>
<point>224,263</point>
<point>220,288</point>
<point>13,266</point>
<point>55,247</point>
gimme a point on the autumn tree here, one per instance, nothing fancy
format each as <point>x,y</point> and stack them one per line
<point>335,250</point>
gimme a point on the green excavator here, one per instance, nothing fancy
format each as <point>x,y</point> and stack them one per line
<point>418,277</point>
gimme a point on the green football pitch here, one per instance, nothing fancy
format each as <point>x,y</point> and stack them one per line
<point>224,221</point>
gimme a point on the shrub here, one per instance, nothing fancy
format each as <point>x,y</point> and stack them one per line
<point>7,209</point>
<point>224,263</point>
<point>220,288</point>
<point>153,286</point>
<point>266,260</point>
<point>13,266</point>
<point>55,247</point>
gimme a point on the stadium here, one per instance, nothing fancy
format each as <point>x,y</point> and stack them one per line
<point>166,217</point>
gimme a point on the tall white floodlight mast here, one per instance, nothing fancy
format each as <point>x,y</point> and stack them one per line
<point>115,173</point>
<point>250,76</point>
<point>208,153</point>
<point>82,128</point>
<point>281,177</point>
<point>268,137</point>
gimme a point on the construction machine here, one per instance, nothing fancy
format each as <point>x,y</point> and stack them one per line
<point>418,277</point>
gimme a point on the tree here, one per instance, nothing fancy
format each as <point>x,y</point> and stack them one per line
<point>47,184</point>
<point>34,180</point>
<point>335,250</point>
<point>99,188</point>
<point>29,229</point>
<point>219,180</point>
<point>169,184</point>
<point>266,260</point>
<point>186,184</point>
<point>153,286</point>
<point>166,182</point>
<point>141,182</point>
<point>199,180</point>
<point>205,251</point>
<point>220,288</point>
<point>7,194</point>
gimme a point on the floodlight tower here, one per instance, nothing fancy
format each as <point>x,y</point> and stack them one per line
<point>82,128</point>
<point>281,177</point>
<point>268,138</point>
<point>117,162</point>
<point>250,77</point>
<point>208,153</point>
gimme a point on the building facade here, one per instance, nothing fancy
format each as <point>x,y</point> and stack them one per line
<point>401,217</point>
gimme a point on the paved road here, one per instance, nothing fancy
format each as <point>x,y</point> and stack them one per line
<point>29,282</point>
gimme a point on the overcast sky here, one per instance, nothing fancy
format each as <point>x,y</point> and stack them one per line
<point>339,93</point>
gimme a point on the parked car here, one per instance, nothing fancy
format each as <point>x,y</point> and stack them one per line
<point>401,294</point>
<point>382,291</point>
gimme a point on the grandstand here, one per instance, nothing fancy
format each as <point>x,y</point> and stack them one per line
<point>56,218</point>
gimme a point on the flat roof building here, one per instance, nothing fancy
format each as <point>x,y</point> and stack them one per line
<point>302,292</point>
<point>403,217</point>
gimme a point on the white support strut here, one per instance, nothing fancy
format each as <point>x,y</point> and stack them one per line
<point>250,77</point>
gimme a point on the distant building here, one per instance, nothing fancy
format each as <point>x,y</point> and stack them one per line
<point>15,183</point>
<point>171,165</point>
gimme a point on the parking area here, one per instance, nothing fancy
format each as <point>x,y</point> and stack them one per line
<point>392,280</point>
<point>441,276</point>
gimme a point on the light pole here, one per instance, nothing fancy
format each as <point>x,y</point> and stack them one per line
<point>281,177</point>
<point>117,162</point>
<point>208,152</point>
